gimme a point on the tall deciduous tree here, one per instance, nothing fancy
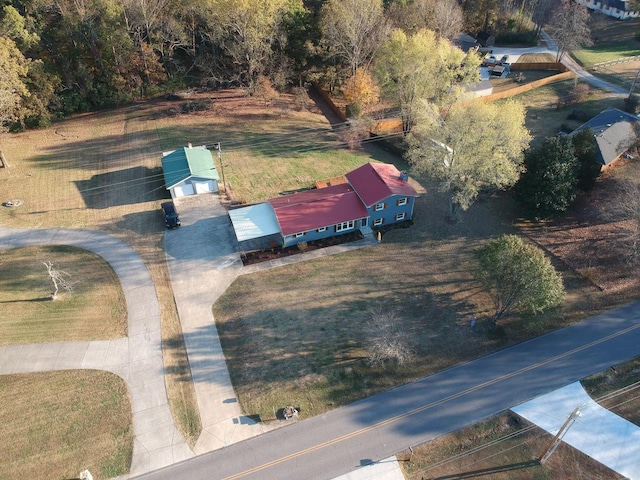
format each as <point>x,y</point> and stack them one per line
<point>442,16</point>
<point>549,184</point>
<point>570,27</point>
<point>248,30</point>
<point>353,30</point>
<point>13,73</point>
<point>422,67</point>
<point>473,148</point>
<point>361,89</point>
<point>518,275</point>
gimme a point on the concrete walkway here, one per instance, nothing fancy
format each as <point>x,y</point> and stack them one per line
<point>137,359</point>
<point>203,262</point>
<point>597,432</point>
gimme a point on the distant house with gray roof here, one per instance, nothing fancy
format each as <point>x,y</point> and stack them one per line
<point>189,171</point>
<point>614,132</point>
<point>621,9</point>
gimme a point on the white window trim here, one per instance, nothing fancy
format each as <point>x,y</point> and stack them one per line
<point>378,207</point>
<point>341,227</point>
<point>401,216</point>
<point>298,235</point>
<point>402,201</point>
<point>321,229</point>
<point>378,221</point>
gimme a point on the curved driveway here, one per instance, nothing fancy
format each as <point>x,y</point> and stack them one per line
<point>137,358</point>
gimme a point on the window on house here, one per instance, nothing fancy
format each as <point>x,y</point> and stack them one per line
<point>344,226</point>
<point>401,216</point>
<point>378,221</point>
<point>401,201</point>
<point>378,207</point>
<point>321,229</point>
<point>298,235</point>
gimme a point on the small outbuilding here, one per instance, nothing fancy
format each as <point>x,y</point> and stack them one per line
<point>189,171</point>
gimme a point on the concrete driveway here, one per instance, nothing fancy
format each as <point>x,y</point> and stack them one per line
<point>203,262</point>
<point>137,358</point>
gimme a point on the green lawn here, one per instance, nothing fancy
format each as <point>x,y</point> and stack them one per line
<point>96,309</point>
<point>544,118</point>
<point>589,56</point>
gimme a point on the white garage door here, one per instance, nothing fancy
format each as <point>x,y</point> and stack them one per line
<point>183,190</point>
<point>203,187</point>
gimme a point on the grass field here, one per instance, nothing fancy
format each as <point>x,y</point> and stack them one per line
<point>96,309</point>
<point>612,38</point>
<point>544,118</point>
<point>56,424</point>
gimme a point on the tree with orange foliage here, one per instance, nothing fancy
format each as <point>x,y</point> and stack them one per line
<point>361,89</point>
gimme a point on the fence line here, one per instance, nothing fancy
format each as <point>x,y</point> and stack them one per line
<point>595,66</point>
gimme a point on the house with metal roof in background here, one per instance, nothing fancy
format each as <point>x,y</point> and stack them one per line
<point>373,195</point>
<point>189,171</point>
<point>614,132</point>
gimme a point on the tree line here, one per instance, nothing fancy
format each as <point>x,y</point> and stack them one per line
<point>65,56</point>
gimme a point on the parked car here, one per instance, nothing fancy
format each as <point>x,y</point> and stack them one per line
<point>171,217</point>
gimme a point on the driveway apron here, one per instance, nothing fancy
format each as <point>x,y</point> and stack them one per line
<point>137,359</point>
<point>203,261</point>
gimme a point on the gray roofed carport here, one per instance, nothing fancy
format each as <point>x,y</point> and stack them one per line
<point>256,226</point>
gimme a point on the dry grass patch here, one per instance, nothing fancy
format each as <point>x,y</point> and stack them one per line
<point>503,447</point>
<point>96,309</point>
<point>56,424</point>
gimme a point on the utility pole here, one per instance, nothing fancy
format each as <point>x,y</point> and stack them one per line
<point>633,85</point>
<point>558,438</point>
<point>218,147</point>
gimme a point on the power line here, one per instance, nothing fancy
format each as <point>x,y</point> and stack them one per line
<point>607,396</point>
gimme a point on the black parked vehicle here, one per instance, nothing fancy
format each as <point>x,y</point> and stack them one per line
<point>171,217</point>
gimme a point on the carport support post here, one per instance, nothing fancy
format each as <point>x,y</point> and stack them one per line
<point>558,438</point>
<point>218,147</point>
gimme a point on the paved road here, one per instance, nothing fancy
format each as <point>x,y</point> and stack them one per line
<point>137,358</point>
<point>329,445</point>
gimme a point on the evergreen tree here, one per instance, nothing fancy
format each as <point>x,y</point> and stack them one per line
<point>549,184</point>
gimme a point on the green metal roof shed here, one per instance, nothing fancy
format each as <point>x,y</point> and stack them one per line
<point>189,171</point>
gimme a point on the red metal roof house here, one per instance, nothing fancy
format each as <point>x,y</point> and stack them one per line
<point>375,195</point>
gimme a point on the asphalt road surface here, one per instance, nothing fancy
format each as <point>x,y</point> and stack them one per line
<point>330,445</point>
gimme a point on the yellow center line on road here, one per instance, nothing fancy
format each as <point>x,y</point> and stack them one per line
<point>428,406</point>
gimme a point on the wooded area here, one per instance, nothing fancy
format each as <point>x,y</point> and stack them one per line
<point>63,56</point>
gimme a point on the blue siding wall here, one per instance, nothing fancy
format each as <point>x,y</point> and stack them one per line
<point>392,208</point>
<point>309,236</point>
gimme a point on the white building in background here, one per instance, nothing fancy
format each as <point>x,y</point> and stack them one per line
<point>614,8</point>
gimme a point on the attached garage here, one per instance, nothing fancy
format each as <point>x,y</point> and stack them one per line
<point>256,227</point>
<point>189,171</point>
